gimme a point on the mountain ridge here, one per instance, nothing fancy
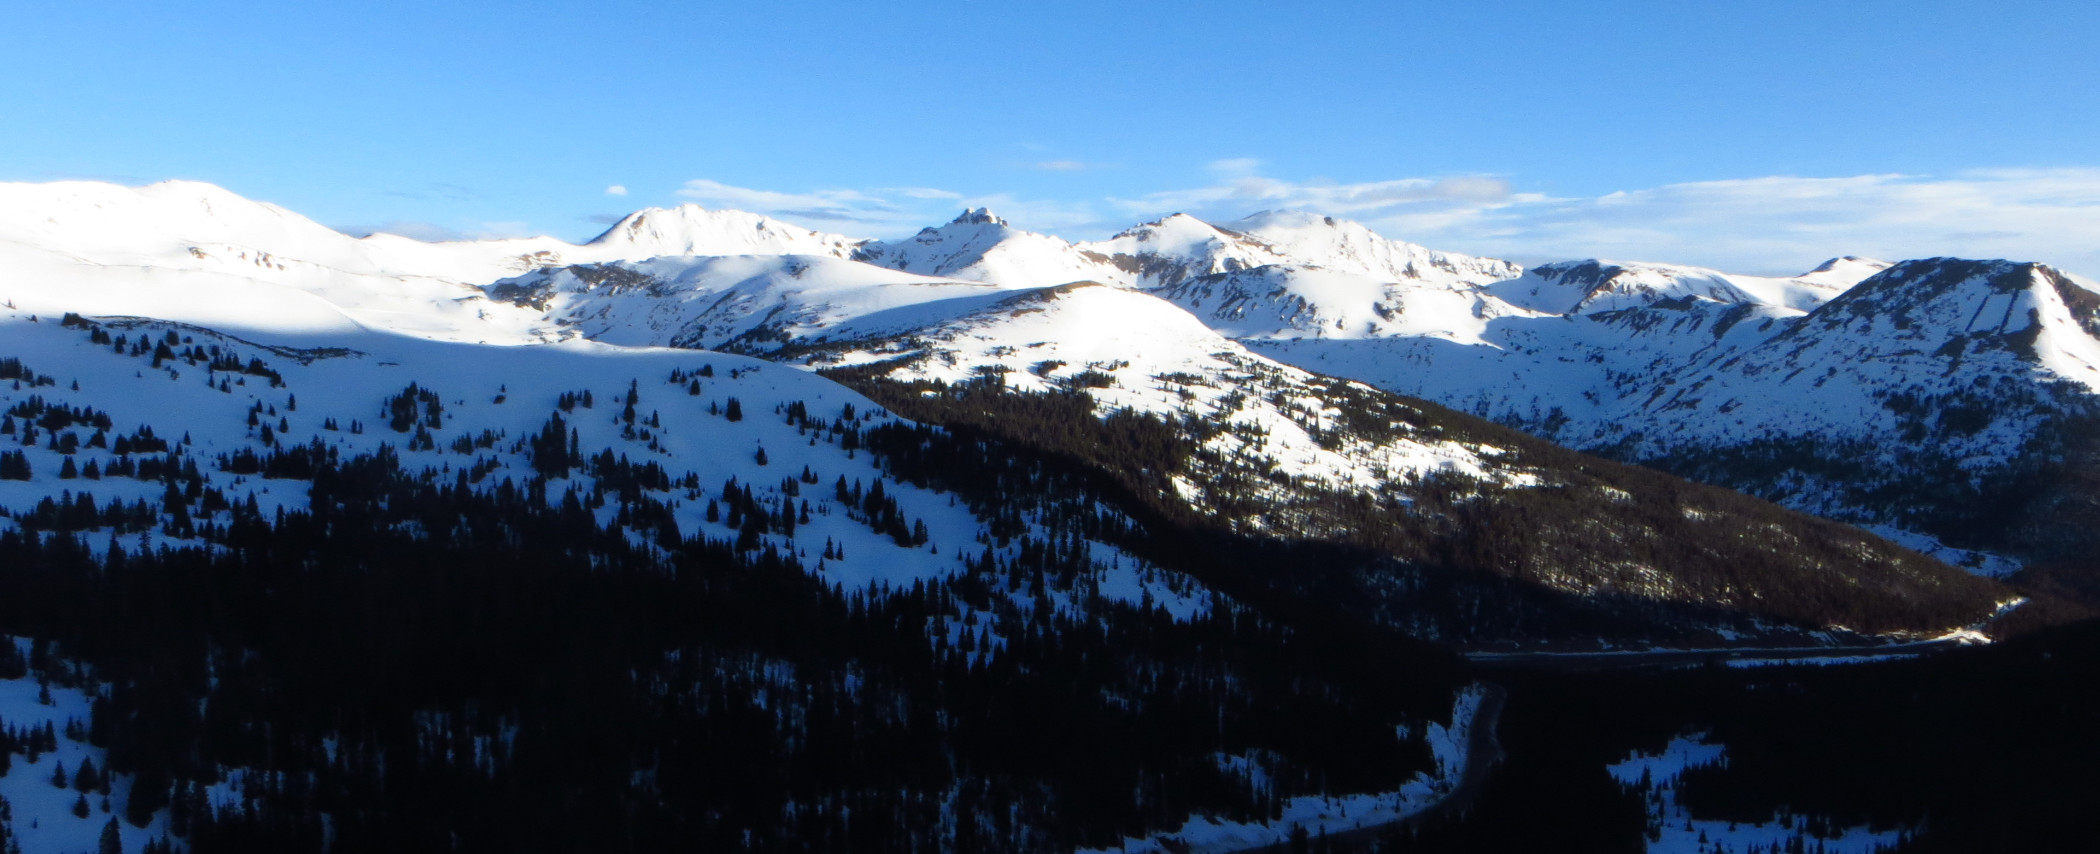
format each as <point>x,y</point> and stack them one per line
<point>1484,336</point>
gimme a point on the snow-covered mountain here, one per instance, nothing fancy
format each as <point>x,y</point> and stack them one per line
<point>979,246</point>
<point>1166,251</point>
<point>196,253</point>
<point>1338,244</point>
<point>692,230</point>
<point>1180,247</point>
<point>1912,398</point>
<point>1582,287</point>
<point>1288,274</point>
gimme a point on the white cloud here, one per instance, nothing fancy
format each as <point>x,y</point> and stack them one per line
<point>1776,224</point>
<point>428,232</point>
<point>1061,166</point>
<point>616,190</point>
<point>1242,192</point>
<point>1767,224</point>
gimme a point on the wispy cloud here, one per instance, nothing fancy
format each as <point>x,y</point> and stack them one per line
<point>1061,166</point>
<point>826,206</point>
<point>922,193</point>
<point>439,191</point>
<point>616,190</point>
<point>430,232</point>
<point>1247,192</point>
<point>1073,220</point>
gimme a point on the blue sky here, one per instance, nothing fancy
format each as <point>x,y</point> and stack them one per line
<point>1754,136</point>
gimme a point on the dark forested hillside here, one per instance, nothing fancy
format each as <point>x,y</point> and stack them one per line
<point>1598,549</point>
<point>523,679</point>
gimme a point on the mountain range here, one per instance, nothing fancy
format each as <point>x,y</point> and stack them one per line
<point>1201,438</point>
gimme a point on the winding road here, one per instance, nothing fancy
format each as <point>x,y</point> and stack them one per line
<point>1483,751</point>
<point>1638,659</point>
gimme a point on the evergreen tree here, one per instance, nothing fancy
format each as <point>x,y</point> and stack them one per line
<point>88,778</point>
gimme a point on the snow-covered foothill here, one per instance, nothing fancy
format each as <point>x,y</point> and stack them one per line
<point>1132,351</point>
